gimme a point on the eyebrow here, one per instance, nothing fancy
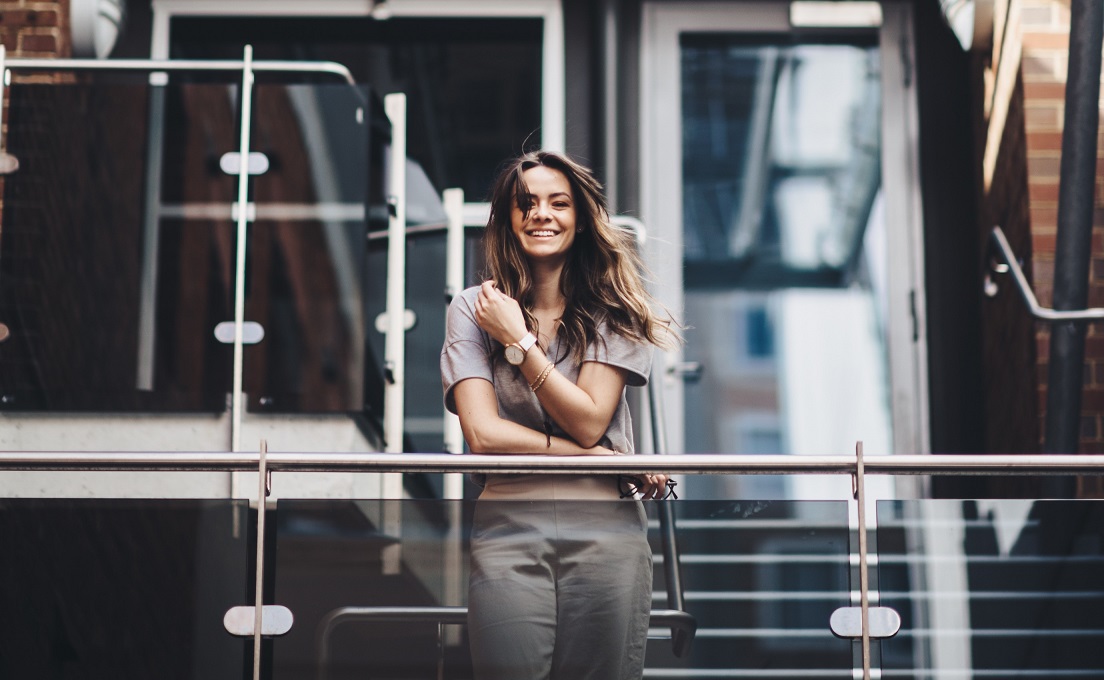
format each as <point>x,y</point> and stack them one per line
<point>558,194</point>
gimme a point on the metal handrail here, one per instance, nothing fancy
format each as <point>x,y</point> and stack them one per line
<point>707,464</point>
<point>1012,265</point>
<point>31,64</point>
<point>683,625</point>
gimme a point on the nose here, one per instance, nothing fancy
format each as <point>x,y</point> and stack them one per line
<point>541,212</point>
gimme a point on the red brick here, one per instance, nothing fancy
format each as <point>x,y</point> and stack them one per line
<point>1043,192</point>
<point>1092,399</point>
<point>1046,41</point>
<point>29,17</point>
<point>1042,243</point>
<point>1044,217</point>
<point>1037,91</point>
<point>1043,116</point>
<point>1041,140</point>
<point>1090,428</point>
<point>1094,345</point>
<point>35,42</point>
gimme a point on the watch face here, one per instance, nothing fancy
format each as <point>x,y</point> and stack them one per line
<point>515,355</point>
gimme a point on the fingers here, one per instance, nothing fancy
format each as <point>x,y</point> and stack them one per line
<point>652,487</point>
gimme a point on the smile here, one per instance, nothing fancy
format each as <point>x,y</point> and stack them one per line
<point>543,233</point>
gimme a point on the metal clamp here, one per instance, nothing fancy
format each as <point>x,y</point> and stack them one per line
<point>240,621</point>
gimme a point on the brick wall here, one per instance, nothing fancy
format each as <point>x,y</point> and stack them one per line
<point>1045,60</point>
<point>32,28</point>
<point>35,28</point>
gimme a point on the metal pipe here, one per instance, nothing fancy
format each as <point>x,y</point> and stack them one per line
<point>681,621</point>
<point>1033,306</point>
<point>864,576</point>
<point>330,67</point>
<point>695,464</point>
<point>236,395</point>
<point>1075,221</point>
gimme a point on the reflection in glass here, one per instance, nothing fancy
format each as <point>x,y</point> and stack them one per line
<point>781,161</point>
<point>993,588</point>
<point>122,588</point>
<point>783,233</point>
<point>760,578</point>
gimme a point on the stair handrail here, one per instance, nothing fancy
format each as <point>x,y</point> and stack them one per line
<point>682,621</point>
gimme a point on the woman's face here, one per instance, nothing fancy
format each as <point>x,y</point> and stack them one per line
<point>547,233</point>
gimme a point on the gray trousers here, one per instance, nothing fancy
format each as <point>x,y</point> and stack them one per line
<point>559,590</point>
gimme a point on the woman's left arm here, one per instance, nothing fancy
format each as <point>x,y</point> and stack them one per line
<point>582,409</point>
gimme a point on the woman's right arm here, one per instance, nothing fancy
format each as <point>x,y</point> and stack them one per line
<point>486,432</point>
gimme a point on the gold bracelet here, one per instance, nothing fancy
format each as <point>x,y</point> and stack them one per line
<point>539,382</point>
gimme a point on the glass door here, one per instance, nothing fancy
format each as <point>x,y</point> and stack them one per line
<point>793,265</point>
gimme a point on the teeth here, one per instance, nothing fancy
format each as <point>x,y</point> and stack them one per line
<point>542,233</point>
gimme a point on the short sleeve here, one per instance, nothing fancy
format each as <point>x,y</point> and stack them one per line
<point>466,352</point>
<point>630,354</point>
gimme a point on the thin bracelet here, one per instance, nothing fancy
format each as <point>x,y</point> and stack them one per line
<point>539,381</point>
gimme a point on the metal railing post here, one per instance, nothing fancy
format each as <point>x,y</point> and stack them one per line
<point>242,232</point>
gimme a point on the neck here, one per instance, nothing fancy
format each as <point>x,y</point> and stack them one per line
<point>546,287</point>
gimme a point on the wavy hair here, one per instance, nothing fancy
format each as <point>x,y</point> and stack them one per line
<point>602,278</point>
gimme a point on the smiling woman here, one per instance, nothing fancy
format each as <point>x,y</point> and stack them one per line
<point>536,360</point>
<point>544,218</point>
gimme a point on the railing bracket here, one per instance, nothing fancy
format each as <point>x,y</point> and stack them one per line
<point>276,620</point>
<point>846,622</point>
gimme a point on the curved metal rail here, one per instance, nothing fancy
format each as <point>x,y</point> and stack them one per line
<point>1012,265</point>
<point>682,624</point>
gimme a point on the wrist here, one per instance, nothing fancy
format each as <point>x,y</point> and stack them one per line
<point>517,351</point>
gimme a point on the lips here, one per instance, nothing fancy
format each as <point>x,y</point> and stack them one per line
<point>542,233</point>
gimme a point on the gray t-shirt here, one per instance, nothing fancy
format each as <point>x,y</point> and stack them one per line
<point>469,352</point>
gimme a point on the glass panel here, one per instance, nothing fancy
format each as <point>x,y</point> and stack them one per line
<point>110,311</point>
<point>123,589</point>
<point>993,588</point>
<point>306,258</point>
<point>473,86</point>
<point>784,259</point>
<point>761,580</point>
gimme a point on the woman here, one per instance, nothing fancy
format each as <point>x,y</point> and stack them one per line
<point>536,360</point>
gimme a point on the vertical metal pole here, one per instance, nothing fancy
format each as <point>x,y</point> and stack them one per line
<point>864,582</point>
<point>453,576</point>
<point>394,344</point>
<point>151,232</point>
<point>3,82</point>
<point>394,352</point>
<point>611,120</point>
<point>1075,221</point>
<point>258,591</point>
<point>239,268</point>
<point>454,283</point>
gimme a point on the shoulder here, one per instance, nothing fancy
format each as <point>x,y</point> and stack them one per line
<point>626,352</point>
<point>466,298</point>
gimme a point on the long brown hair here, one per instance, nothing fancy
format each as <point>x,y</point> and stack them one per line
<point>602,278</point>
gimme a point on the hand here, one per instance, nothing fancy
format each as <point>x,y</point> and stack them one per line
<point>601,451</point>
<point>499,314</point>
<point>652,486</point>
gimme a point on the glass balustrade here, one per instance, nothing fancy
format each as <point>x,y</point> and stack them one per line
<point>139,588</point>
<point>993,588</point>
<point>123,588</point>
<point>760,581</point>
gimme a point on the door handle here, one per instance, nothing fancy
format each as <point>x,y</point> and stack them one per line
<point>690,371</point>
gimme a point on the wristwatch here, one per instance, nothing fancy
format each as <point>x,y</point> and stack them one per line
<point>515,353</point>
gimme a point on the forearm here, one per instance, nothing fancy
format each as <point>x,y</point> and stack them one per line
<point>583,414</point>
<point>507,437</point>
